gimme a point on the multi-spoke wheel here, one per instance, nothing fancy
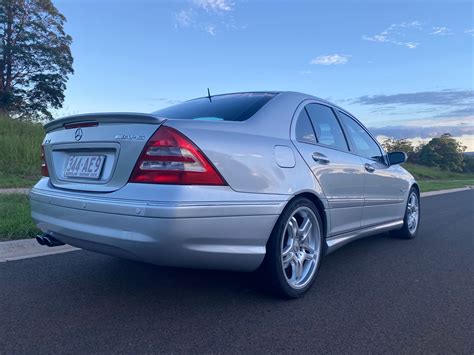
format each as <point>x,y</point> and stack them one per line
<point>300,247</point>
<point>295,248</point>
<point>411,220</point>
<point>412,212</point>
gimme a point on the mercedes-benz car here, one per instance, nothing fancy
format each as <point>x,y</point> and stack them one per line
<point>245,181</point>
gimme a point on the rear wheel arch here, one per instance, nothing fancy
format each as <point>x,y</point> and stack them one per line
<point>319,205</point>
<point>273,269</point>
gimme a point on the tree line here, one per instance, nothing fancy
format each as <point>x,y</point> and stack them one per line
<point>444,152</point>
<point>35,59</point>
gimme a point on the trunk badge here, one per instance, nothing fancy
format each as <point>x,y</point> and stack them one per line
<point>78,134</point>
<point>130,137</point>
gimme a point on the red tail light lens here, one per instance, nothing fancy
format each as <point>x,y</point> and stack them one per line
<point>171,158</point>
<point>44,167</point>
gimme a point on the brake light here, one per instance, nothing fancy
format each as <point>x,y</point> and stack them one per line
<point>81,124</point>
<point>44,167</point>
<point>171,158</point>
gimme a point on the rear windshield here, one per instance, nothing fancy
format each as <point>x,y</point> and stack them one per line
<point>232,107</point>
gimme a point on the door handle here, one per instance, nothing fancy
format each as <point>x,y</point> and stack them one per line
<point>320,158</point>
<point>369,168</point>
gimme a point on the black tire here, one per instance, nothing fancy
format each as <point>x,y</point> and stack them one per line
<point>405,232</point>
<point>272,267</point>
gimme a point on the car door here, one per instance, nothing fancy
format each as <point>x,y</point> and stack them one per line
<point>319,138</point>
<point>384,189</point>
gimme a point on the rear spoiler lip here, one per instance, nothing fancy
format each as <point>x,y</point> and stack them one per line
<point>107,117</point>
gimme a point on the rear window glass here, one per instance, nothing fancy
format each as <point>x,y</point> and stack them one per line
<point>232,107</point>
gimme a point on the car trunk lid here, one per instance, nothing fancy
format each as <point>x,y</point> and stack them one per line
<point>96,152</point>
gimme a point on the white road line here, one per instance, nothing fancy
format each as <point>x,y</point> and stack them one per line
<point>441,192</point>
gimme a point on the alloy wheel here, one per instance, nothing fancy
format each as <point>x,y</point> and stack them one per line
<point>412,212</point>
<point>301,247</point>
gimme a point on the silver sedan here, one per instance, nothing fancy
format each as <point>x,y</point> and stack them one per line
<point>269,180</point>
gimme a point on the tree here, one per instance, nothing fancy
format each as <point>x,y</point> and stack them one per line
<point>35,58</point>
<point>400,145</point>
<point>468,163</point>
<point>444,152</point>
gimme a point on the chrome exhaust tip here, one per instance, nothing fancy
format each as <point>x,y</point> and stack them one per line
<point>40,240</point>
<point>48,240</point>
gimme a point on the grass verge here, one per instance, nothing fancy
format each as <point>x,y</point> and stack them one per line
<point>435,185</point>
<point>20,150</point>
<point>434,179</point>
<point>15,218</point>
<point>9,181</point>
<point>421,172</point>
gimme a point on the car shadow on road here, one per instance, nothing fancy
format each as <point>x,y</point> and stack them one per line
<point>125,277</point>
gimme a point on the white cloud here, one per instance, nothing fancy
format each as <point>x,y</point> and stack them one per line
<point>470,32</point>
<point>185,17</point>
<point>330,59</point>
<point>395,33</point>
<point>467,121</point>
<point>377,38</point>
<point>441,31</point>
<point>408,24</point>
<point>211,29</point>
<point>210,16</point>
<point>215,5</point>
<point>411,45</point>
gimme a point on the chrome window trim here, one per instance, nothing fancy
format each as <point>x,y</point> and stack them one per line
<point>296,114</point>
<point>382,151</point>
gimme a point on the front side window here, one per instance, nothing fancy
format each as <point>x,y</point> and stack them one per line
<point>327,128</point>
<point>363,142</point>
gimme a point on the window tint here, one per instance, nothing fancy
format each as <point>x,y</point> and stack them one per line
<point>232,107</point>
<point>363,142</point>
<point>327,127</point>
<point>304,130</point>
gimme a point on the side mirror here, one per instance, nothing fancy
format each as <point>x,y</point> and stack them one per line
<point>397,158</point>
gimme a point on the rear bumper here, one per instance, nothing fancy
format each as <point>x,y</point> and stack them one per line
<point>227,235</point>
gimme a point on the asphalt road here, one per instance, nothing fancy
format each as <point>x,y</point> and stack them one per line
<point>375,295</point>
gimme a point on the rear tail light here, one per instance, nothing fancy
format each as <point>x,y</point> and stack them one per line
<point>171,158</point>
<point>44,167</point>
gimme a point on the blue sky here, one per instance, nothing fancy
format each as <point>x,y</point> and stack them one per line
<point>390,63</point>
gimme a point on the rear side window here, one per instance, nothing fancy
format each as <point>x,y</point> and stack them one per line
<point>232,107</point>
<point>327,128</point>
<point>304,130</point>
<point>363,142</point>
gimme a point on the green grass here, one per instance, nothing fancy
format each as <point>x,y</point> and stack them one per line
<point>20,150</point>
<point>17,180</point>
<point>434,185</point>
<point>422,172</point>
<point>15,218</point>
<point>432,179</point>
